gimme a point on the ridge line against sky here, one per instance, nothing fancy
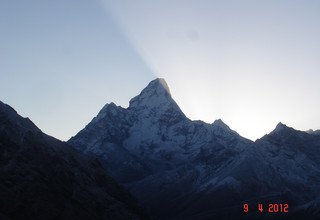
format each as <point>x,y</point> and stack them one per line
<point>250,63</point>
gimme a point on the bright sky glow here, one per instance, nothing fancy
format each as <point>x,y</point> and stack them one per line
<point>250,63</point>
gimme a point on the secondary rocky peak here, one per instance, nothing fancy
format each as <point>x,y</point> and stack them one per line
<point>108,109</point>
<point>9,117</point>
<point>220,123</point>
<point>157,93</point>
<point>280,126</point>
<point>219,126</point>
<point>108,106</point>
<point>6,109</point>
<point>314,132</point>
<point>282,129</point>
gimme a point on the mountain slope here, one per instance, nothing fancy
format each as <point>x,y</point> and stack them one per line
<point>295,156</point>
<point>43,178</point>
<point>183,169</point>
<point>160,155</point>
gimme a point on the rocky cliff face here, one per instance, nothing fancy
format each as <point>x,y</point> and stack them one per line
<point>44,178</point>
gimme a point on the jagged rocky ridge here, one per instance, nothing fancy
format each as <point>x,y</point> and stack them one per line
<point>44,178</point>
<point>183,169</point>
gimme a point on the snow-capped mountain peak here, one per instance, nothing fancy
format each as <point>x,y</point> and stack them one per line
<point>155,102</point>
<point>157,93</point>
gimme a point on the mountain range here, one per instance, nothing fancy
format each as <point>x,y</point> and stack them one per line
<point>183,169</point>
<point>151,155</point>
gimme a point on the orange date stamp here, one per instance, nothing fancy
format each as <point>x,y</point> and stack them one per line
<point>270,208</point>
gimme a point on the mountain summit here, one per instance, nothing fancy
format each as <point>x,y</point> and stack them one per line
<point>156,93</point>
<point>155,101</point>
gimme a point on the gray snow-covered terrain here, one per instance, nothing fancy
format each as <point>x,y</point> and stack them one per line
<point>184,169</point>
<point>42,178</point>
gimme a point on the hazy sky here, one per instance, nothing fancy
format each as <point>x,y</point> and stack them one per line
<point>250,63</point>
